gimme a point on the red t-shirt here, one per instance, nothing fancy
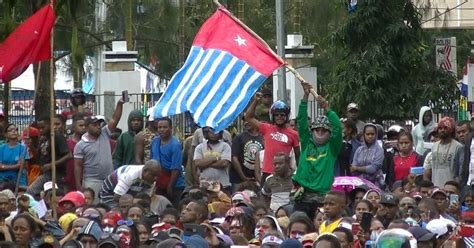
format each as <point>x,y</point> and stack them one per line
<point>402,165</point>
<point>276,140</point>
<point>70,180</point>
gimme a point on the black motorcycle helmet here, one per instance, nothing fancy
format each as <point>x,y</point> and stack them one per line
<point>78,97</point>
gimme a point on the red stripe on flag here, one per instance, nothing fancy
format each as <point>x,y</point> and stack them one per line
<point>29,43</point>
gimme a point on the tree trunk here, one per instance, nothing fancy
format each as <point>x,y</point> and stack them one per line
<point>42,94</point>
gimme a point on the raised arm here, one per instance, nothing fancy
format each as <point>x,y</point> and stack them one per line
<point>250,114</point>
<point>113,122</point>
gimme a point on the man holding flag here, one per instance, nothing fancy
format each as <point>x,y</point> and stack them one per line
<point>277,136</point>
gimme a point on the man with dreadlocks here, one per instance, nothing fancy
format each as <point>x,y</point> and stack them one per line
<point>447,155</point>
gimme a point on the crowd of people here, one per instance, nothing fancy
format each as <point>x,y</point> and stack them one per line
<point>330,182</point>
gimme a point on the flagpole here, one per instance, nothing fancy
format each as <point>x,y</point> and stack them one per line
<point>297,75</point>
<point>51,123</point>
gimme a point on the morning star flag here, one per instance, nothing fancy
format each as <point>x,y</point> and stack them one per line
<point>27,44</point>
<point>225,67</point>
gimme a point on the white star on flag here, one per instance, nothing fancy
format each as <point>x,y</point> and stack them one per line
<point>36,32</point>
<point>1,69</point>
<point>240,41</point>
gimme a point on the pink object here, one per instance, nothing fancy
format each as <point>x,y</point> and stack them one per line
<point>347,184</point>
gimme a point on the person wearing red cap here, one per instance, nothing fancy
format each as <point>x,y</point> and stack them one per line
<point>71,201</point>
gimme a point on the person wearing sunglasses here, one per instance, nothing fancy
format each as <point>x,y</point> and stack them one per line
<point>277,135</point>
<point>128,233</point>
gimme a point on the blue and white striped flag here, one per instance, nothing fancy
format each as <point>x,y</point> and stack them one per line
<point>224,69</point>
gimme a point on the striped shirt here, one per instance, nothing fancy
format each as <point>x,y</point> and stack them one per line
<point>124,180</point>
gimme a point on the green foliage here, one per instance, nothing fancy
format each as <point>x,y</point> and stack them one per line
<point>384,67</point>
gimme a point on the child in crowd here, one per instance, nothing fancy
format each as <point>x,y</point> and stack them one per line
<point>278,185</point>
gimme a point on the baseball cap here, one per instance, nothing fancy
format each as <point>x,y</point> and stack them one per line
<point>271,239</point>
<point>76,197</point>
<point>438,227</point>
<point>73,244</point>
<point>421,234</point>
<point>34,132</point>
<point>65,220</point>
<point>308,239</point>
<point>113,215</point>
<point>176,233</point>
<point>159,237</point>
<point>8,193</point>
<point>48,186</point>
<point>352,106</point>
<point>291,243</point>
<point>196,241</point>
<point>94,119</point>
<point>48,241</point>
<point>389,199</point>
<point>240,196</point>
<point>438,191</point>
<point>321,121</point>
<point>92,229</point>
<point>225,239</point>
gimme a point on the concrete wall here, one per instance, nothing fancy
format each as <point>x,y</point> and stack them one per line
<point>459,17</point>
<point>111,85</point>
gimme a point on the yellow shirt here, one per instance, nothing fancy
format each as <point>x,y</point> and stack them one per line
<point>324,228</point>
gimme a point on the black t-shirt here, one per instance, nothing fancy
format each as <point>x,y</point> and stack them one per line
<point>44,151</point>
<point>245,147</point>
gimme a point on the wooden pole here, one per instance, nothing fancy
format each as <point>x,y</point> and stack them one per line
<point>30,120</point>
<point>297,75</point>
<point>51,123</point>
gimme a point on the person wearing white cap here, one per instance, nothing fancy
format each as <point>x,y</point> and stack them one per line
<point>441,228</point>
<point>353,114</point>
<point>92,154</point>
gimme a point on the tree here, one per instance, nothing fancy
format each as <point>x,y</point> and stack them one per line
<point>384,67</point>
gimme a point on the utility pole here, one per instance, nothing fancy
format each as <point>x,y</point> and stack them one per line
<point>129,24</point>
<point>280,30</point>
<point>240,12</point>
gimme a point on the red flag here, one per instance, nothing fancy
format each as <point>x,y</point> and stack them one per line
<point>27,44</point>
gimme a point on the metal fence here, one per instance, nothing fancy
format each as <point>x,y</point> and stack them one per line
<point>22,106</point>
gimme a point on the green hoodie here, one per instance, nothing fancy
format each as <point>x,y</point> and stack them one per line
<point>124,153</point>
<point>315,171</point>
